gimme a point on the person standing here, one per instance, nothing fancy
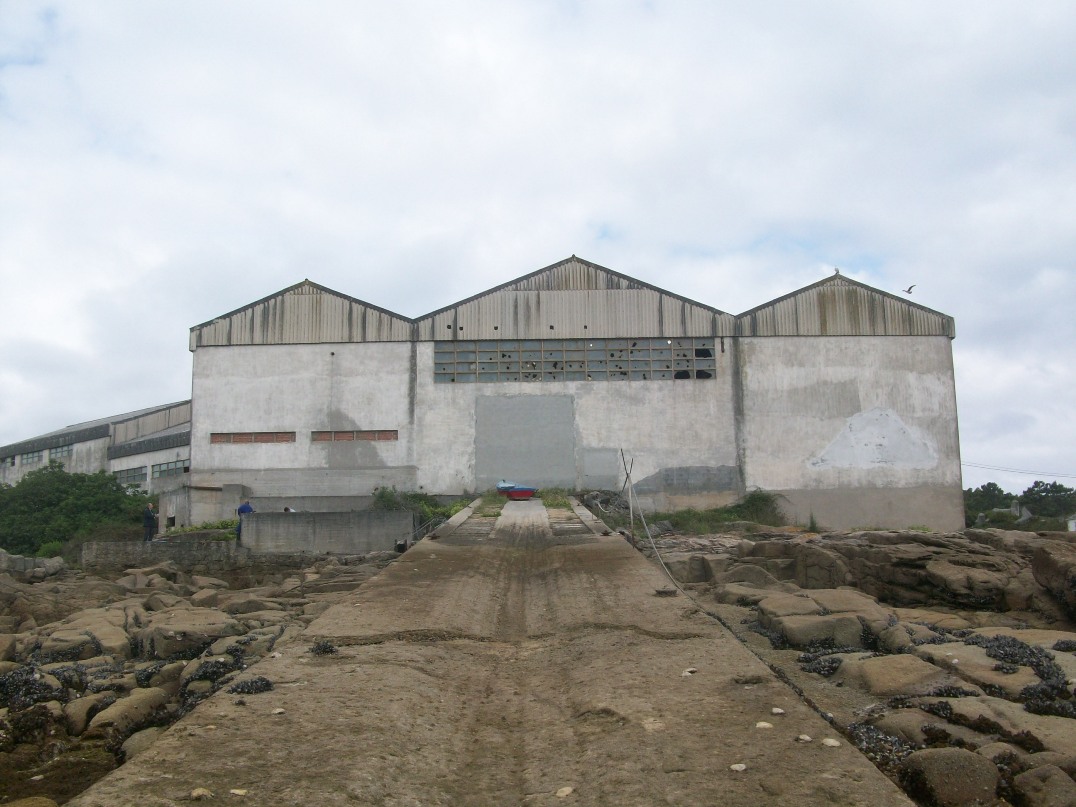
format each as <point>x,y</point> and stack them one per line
<point>240,511</point>
<point>149,523</point>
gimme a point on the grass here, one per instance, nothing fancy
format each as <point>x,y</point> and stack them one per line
<point>557,498</point>
<point>758,506</point>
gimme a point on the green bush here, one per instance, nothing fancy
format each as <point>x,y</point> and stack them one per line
<point>227,524</point>
<point>50,505</point>
<point>51,549</point>
<point>425,506</point>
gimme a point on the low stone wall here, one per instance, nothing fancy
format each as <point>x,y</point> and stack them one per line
<point>22,567</point>
<point>350,533</point>
<point>237,565</point>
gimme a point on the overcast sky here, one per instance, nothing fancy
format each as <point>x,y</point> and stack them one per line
<point>162,163</point>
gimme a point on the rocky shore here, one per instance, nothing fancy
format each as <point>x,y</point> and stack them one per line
<point>949,660</point>
<point>93,670</point>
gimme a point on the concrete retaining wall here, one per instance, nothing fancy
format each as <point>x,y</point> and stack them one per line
<point>345,533</point>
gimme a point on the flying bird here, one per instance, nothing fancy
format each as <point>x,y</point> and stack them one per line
<point>909,289</point>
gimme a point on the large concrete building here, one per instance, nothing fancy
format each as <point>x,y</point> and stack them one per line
<point>838,397</point>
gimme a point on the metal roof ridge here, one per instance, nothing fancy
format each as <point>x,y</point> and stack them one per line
<point>300,284</point>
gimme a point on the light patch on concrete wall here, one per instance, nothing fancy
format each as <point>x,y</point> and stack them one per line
<point>877,438</point>
<point>601,468</point>
<point>529,439</point>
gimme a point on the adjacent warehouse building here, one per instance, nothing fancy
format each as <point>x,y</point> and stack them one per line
<point>149,448</point>
<point>839,397</point>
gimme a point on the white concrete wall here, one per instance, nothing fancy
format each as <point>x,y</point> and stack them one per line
<point>87,457</point>
<point>301,389</point>
<point>659,424</point>
<point>858,431</point>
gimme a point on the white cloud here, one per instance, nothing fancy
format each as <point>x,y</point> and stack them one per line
<point>164,164</point>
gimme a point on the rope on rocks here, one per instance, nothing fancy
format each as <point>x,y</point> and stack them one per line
<point>633,503</point>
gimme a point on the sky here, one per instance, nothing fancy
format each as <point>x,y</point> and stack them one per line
<point>163,163</point>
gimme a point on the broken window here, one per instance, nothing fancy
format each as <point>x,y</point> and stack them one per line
<point>552,360</point>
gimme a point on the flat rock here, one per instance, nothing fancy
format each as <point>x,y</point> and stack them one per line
<point>1011,720</point>
<point>887,676</point>
<point>972,664</point>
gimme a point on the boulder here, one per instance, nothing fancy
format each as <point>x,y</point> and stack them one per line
<point>1045,786</point>
<point>128,714</point>
<point>950,777</point>
<point>163,601</point>
<point>245,603</point>
<point>185,631</point>
<point>843,630</point>
<point>80,711</point>
<point>1054,566</point>
<point>205,598</point>
<point>7,647</point>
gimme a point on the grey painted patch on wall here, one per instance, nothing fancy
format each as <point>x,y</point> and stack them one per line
<point>601,468</point>
<point>528,439</point>
<point>691,479</point>
<point>874,439</point>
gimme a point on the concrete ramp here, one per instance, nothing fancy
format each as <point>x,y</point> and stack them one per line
<point>501,666</point>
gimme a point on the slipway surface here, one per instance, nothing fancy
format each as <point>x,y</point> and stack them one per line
<point>523,660</point>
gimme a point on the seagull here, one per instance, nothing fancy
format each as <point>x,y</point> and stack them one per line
<point>909,289</point>
<point>836,271</point>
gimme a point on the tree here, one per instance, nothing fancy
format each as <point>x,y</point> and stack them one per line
<point>49,505</point>
<point>1049,500</point>
<point>984,499</point>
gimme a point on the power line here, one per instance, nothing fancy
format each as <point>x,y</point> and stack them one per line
<point>1018,471</point>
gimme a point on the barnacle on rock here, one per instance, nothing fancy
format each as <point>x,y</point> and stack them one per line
<point>251,686</point>
<point>324,648</point>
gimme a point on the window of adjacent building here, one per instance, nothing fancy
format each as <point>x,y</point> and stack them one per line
<point>132,476</point>
<point>31,457</point>
<point>61,452</point>
<point>171,468</point>
<point>8,461</point>
<point>642,359</point>
<point>252,437</point>
<point>381,435</point>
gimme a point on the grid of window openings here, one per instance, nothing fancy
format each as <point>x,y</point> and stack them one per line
<point>171,468</point>
<point>643,359</point>
<point>252,437</point>
<point>380,435</point>
<point>61,452</point>
<point>31,457</point>
<point>131,476</point>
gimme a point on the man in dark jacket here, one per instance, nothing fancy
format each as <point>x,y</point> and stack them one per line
<point>243,509</point>
<point>149,522</point>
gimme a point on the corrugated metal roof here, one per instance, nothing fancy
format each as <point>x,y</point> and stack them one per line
<point>570,299</point>
<point>840,306</point>
<point>574,299</point>
<point>303,314</point>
